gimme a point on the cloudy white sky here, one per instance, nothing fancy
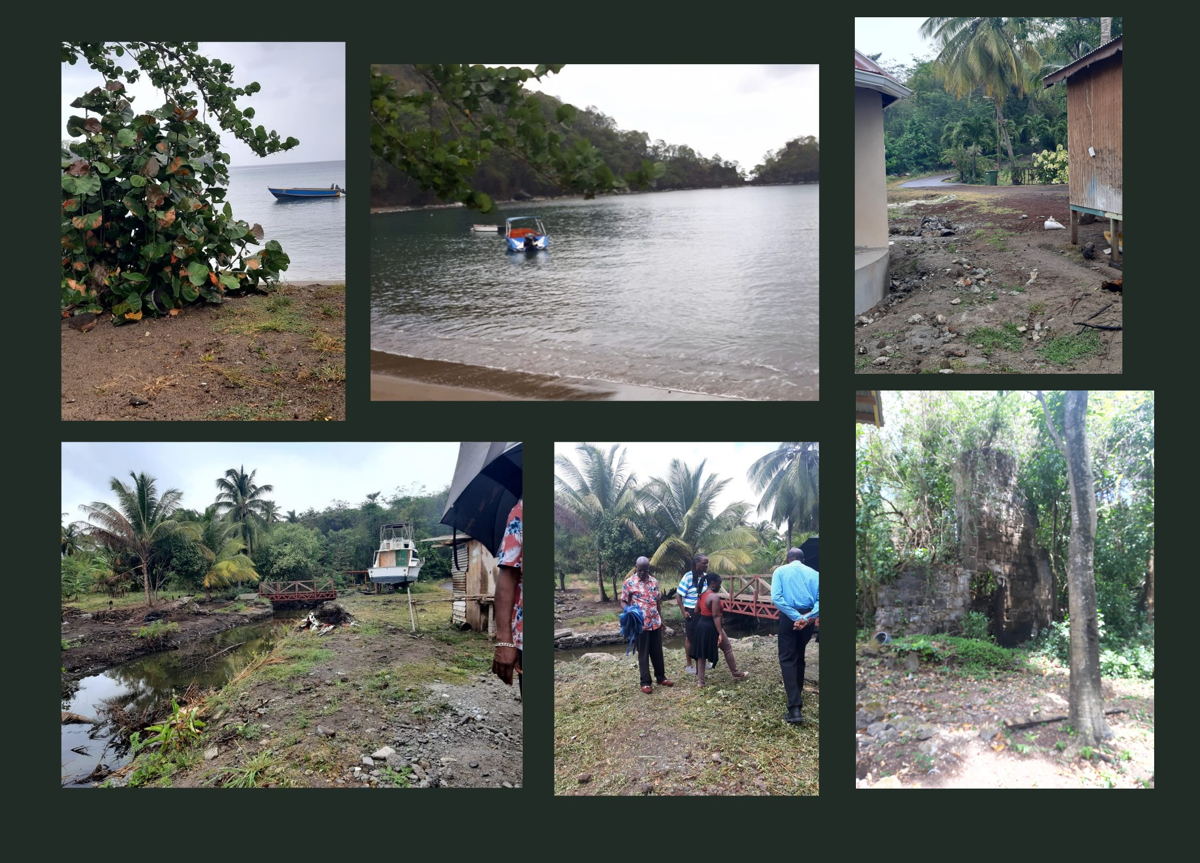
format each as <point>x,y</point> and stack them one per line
<point>304,474</point>
<point>738,112</point>
<point>726,460</point>
<point>303,95</point>
<point>899,39</point>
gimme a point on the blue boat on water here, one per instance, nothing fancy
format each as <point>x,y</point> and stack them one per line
<point>525,234</point>
<point>334,191</point>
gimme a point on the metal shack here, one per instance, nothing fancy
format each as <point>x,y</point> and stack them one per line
<point>1094,129</point>
<point>473,577</point>
<point>874,90</point>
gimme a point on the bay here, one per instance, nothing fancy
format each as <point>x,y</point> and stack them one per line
<point>313,233</point>
<point>713,291</point>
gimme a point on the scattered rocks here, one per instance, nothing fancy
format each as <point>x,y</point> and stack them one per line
<point>383,753</point>
<point>599,657</point>
<point>955,351</point>
<point>916,319</point>
<point>211,752</point>
<point>956,301</point>
<point>583,778</point>
<point>881,361</point>
<point>326,732</point>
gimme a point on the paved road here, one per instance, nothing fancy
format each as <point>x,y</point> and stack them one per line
<point>928,182</point>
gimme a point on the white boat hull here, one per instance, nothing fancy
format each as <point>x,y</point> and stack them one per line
<point>393,574</point>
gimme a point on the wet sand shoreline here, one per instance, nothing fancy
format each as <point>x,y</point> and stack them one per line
<point>401,378</point>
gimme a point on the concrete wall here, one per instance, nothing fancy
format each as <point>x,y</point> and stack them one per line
<point>870,202</point>
<point>870,192</point>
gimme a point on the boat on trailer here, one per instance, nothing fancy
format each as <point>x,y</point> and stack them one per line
<point>396,561</point>
<point>300,192</point>
<point>525,234</point>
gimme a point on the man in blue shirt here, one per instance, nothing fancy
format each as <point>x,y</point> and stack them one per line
<point>686,595</point>
<point>795,590</point>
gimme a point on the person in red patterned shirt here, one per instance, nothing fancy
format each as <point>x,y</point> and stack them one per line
<point>510,613</point>
<point>641,589</point>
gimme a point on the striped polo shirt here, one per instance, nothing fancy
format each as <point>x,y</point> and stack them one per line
<point>687,590</point>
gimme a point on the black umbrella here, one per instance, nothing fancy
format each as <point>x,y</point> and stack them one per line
<point>488,481</point>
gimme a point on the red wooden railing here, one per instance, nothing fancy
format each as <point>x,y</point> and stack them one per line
<point>301,590</point>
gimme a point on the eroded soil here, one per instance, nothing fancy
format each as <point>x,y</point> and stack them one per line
<point>278,356</point>
<point>922,726</point>
<point>315,712</point>
<point>999,294</point>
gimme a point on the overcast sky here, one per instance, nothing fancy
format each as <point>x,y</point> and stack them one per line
<point>726,460</point>
<point>303,95</point>
<point>899,39</point>
<point>305,475</point>
<point>738,112</point>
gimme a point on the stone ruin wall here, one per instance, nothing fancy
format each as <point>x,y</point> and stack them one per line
<point>1000,571</point>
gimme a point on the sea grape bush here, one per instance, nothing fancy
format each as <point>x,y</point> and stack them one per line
<point>146,228</point>
<point>1051,166</point>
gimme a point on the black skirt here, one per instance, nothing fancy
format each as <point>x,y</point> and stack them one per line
<point>704,640</point>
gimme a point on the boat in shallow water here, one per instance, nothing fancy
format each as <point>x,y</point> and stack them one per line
<point>396,561</point>
<point>525,234</point>
<point>299,192</point>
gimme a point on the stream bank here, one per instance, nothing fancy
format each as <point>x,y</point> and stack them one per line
<point>366,705</point>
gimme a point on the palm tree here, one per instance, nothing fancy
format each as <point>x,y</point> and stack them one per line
<point>291,517</point>
<point>243,502</point>
<point>141,517</point>
<point>70,538</point>
<point>231,565</point>
<point>988,54</point>
<point>597,497</point>
<point>788,480</point>
<point>680,512</point>
<point>270,513</point>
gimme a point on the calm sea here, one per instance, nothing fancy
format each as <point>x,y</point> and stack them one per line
<point>313,233</point>
<point>711,291</point>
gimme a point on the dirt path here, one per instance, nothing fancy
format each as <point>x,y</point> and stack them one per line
<point>980,286</point>
<point>279,356</point>
<point>728,738</point>
<point>101,639</point>
<point>370,705</point>
<point>933,728</point>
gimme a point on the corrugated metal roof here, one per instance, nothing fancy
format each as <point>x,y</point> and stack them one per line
<point>871,76</point>
<point>1108,49</point>
<point>863,63</point>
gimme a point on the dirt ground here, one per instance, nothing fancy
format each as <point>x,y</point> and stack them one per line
<point>728,738</point>
<point>1000,294</point>
<point>314,712</point>
<point>931,728</point>
<point>279,356</point>
<point>101,639</point>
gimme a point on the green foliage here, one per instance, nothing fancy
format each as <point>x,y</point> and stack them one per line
<point>292,551</point>
<point>975,625</point>
<point>1051,167</point>
<point>798,161</point>
<point>158,632</point>
<point>968,161</point>
<point>1120,655</point>
<point>146,228</point>
<point>972,656</point>
<point>83,572</point>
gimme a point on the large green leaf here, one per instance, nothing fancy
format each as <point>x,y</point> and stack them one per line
<point>126,138</point>
<point>197,273</point>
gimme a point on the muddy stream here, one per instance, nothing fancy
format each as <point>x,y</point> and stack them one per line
<point>146,685</point>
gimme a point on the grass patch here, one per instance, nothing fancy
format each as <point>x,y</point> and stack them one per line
<point>296,657</point>
<point>991,339</point>
<point>90,602</point>
<point>596,619</point>
<point>971,656</point>
<point>327,344</point>
<point>330,373</point>
<point>1069,349</point>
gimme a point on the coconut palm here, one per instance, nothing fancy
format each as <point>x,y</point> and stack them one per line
<point>243,502</point>
<point>680,512</point>
<point>231,565</point>
<point>988,54</point>
<point>70,538</point>
<point>140,517</point>
<point>788,480</point>
<point>598,498</point>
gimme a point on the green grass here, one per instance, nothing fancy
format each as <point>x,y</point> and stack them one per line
<point>90,602</point>
<point>297,657</point>
<point>970,657</point>
<point>1069,349</point>
<point>991,339</point>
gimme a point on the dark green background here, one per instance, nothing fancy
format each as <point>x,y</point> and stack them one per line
<point>1160,166</point>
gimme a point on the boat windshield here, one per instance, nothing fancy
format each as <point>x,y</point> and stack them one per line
<point>524,226</point>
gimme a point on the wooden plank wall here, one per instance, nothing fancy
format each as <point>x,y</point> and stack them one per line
<point>1094,103</point>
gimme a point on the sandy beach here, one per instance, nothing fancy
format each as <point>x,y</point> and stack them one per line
<point>401,378</point>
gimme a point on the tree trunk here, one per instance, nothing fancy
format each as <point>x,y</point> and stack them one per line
<point>600,579</point>
<point>1087,700</point>
<point>789,533</point>
<point>146,582</point>
<point>1105,30</point>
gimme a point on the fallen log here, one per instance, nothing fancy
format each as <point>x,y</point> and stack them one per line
<point>1096,326</point>
<point>1018,725</point>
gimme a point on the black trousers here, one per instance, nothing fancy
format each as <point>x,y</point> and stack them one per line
<point>650,650</point>
<point>792,643</point>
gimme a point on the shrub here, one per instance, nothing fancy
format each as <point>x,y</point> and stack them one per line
<point>975,625</point>
<point>1051,166</point>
